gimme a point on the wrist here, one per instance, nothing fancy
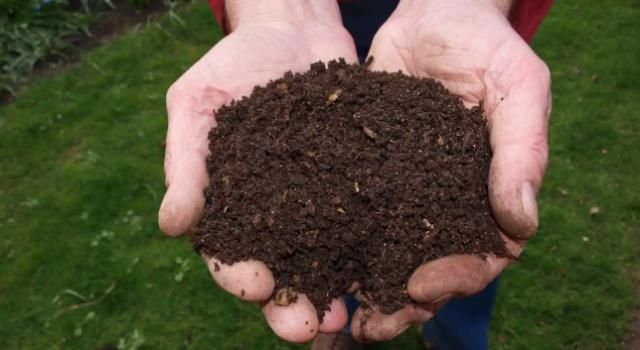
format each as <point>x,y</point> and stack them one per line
<point>298,12</point>
<point>503,6</point>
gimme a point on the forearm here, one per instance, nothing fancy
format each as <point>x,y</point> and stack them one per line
<point>242,12</point>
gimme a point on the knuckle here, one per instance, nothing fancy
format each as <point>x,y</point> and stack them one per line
<point>540,149</point>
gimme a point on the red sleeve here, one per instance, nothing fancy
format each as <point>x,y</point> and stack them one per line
<point>218,10</point>
<point>525,15</point>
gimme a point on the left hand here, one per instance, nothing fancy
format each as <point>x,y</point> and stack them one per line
<point>470,47</point>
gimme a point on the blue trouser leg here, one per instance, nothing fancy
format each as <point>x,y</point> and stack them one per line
<point>352,305</point>
<point>362,18</point>
<point>462,324</point>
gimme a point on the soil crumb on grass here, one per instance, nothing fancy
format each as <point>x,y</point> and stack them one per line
<point>340,175</point>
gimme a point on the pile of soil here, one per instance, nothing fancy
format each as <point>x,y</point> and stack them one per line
<point>343,175</point>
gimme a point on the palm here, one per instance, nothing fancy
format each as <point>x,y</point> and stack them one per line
<point>475,58</point>
<point>255,54</point>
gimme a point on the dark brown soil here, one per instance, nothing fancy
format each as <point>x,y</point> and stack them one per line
<point>341,175</point>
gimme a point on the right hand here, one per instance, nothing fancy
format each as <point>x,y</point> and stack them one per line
<point>470,47</point>
<point>266,41</point>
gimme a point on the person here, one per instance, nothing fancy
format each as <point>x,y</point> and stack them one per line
<point>477,48</point>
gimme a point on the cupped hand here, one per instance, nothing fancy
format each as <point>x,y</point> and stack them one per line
<point>266,42</point>
<point>470,47</point>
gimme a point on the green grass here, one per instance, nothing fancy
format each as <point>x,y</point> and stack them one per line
<point>83,265</point>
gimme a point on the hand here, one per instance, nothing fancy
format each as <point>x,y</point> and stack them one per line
<point>267,40</point>
<point>469,46</point>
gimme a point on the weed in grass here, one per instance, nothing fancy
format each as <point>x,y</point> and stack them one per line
<point>36,31</point>
<point>132,341</point>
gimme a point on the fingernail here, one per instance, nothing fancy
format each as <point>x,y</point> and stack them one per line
<point>529,205</point>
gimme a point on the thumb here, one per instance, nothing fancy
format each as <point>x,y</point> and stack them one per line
<point>190,114</point>
<point>518,127</point>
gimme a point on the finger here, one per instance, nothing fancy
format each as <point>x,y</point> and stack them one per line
<point>518,127</point>
<point>248,280</point>
<point>335,318</point>
<point>371,325</point>
<point>190,112</point>
<point>457,275</point>
<point>296,322</point>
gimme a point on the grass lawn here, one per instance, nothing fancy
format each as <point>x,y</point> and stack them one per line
<point>84,266</point>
